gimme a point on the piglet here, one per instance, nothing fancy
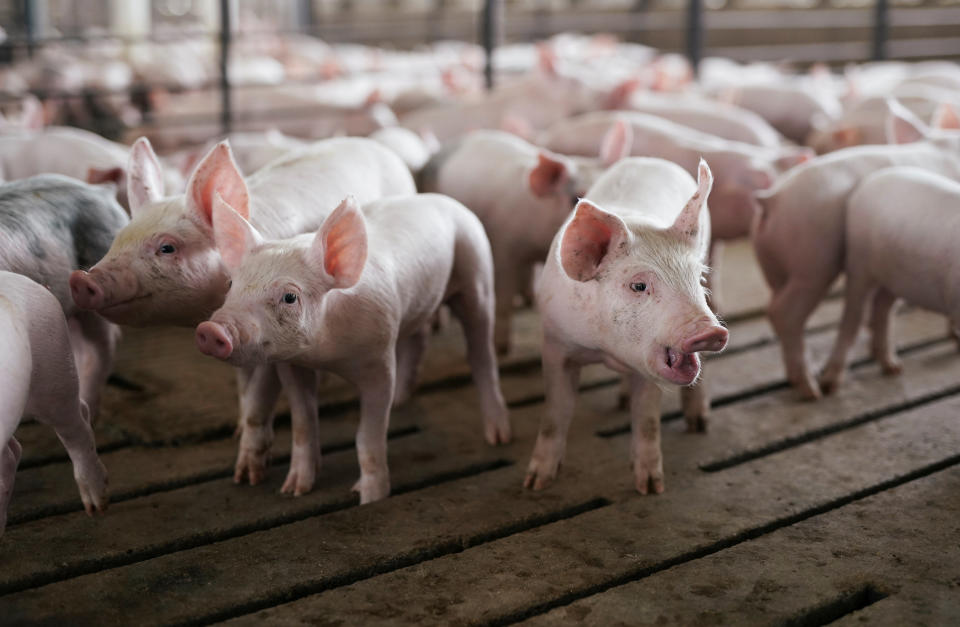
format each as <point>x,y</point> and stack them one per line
<point>522,194</point>
<point>622,285</point>
<point>51,225</point>
<point>892,254</point>
<point>357,298</point>
<point>40,381</point>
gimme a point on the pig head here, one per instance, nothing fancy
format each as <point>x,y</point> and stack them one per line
<point>640,289</point>
<point>163,267</point>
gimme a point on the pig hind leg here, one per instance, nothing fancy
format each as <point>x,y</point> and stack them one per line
<point>474,308</point>
<point>883,345</point>
<point>857,293</point>
<point>789,309</point>
<point>506,283</point>
<point>94,341</point>
<point>55,401</point>
<point>259,389</point>
<point>300,386</point>
<point>410,351</point>
<point>9,459</point>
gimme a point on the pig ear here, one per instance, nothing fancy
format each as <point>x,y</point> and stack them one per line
<point>757,177</point>
<point>902,126</point>
<point>234,236</point>
<point>687,224</point>
<point>547,176</point>
<point>97,176</point>
<point>846,136</point>
<point>946,117</point>
<point>340,246</point>
<point>32,116</point>
<point>619,96</point>
<point>547,59</point>
<point>617,143</point>
<point>217,173</point>
<point>145,182</point>
<point>588,240</point>
<point>793,157</point>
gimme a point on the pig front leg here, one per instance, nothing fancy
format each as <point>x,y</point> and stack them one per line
<point>259,388</point>
<point>9,459</point>
<point>562,378</point>
<point>300,386</point>
<point>410,351</point>
<point>474,309</point>
<point>645,435</point>
<point>789,309</point>
<point>94,342</point>
<point>377,383</point>
<point>695,401</point>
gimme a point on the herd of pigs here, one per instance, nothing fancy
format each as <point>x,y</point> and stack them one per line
<point>599,182</point>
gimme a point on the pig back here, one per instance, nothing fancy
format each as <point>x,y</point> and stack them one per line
<point>52,225</point>
<point>295,193</point>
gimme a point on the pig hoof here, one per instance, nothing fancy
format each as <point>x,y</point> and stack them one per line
<point>498,432</point>
<point>807,391</point>
<point>298,482</point>
<point>892,369</point>
<point>372,489</point>
<point>540,474</point>
<point>92,484</point>
<point>251,466</point>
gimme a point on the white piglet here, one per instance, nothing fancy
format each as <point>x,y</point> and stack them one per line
<point>622,285</point>
<point>40,380</point>
<point>357,299</point>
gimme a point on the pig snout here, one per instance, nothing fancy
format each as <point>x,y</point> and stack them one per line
<point>86,292</point>
<point>712,340</point>
<point>213,339</point>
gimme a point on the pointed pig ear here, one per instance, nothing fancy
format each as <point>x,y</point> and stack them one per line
<point>687,224</point>
<point>548,175</point>
<point>619,96</point>
<point>340,246</point>
<point>32,116</point>
<point>902,126</point>
<point>234,236</point>
<point>617,143</point>
<point>145,180</point>
<point>946,117</point>
<point>588,240</point>
<point>217,173</point>
<point>846,136</point>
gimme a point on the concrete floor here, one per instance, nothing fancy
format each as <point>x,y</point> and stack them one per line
<point>784,513</point>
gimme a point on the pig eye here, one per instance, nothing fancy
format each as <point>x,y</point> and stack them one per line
<point>638,286</point>
<point>289,298</point>
<point>168,249</point>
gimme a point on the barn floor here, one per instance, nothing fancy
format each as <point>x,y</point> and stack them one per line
<point>789,513</point>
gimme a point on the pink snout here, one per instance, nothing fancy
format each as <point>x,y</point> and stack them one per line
<point>214,340</point>
<point>87,294</point>
<point>712,340</point>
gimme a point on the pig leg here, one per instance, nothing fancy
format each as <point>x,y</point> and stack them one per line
<point>525,285</point>
<point>505,284</point>
<point>561,378</point>
<point>623,394</point>
<point>300,386</point>
<point>883,345</point>
<point>695,400</point>
<point>94,342</point>
<point>259,389</point>
<point>475,312</point>
<point>409,354</point>
<point>9,459</point>
<point>376,383</point>
<point>645,435</point>
<point>789,309</point>
<point>857,293</point>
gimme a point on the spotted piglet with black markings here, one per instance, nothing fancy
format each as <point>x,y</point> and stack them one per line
<point>40,381</point>
<point>622,286</point>
<point>357,299</point>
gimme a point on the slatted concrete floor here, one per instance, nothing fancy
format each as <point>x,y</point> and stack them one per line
<point>784,513</point>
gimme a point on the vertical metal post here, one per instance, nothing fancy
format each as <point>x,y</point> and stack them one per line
<point>306,19</point>
<point>226,113</point>
<point>881,29</point>
<point>31,24</point>
<point>695,33</point>
<point>489,35</point>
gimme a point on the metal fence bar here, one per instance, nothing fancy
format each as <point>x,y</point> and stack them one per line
<point>30,24</point>
<point>226,112</point>
<point>489,35</point>
<point>881,29</point>
<point>695,33</point>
